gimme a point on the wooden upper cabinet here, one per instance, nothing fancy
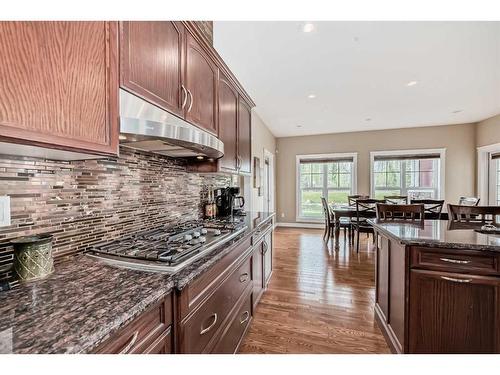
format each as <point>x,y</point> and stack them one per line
<point>201,83</point>
<point>152,62</point>
<point>228,121</point>
<point>59,85</point>
<point>244,137</point>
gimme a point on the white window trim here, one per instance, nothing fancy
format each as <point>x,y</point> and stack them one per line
<point>442,165</point>
<point>483,168</point>
<point>354,181</point>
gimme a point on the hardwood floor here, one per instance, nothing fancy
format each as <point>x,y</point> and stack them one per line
<point>319,300</point>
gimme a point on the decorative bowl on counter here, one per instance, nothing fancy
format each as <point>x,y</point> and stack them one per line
<point>33,257</point>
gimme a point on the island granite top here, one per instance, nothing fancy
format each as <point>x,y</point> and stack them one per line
<point>438,233</point>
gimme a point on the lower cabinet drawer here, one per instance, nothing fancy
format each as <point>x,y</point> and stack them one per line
<point>162,345</point>
<point>201,328</point>
<point>233,334</point>
<point>142,332</point>
<point>465,261</point>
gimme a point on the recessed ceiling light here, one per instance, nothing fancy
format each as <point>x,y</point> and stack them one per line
<point>200,157</point>
<point>308,27</point>
<point>311,96</point>
<point>411,83</point>
<point>457,111</point>
<point>299,126</point>
<point>368,119</point>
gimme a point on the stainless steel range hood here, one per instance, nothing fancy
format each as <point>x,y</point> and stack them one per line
<point>146,127</point>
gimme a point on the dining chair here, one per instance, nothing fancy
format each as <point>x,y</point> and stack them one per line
<point>345,223</point>
<point>396,199</point>
<point>351,199</point>
<point>395,212</point>
<point>468,201</point>
<point>432,207</point>
<point>364,207</point>
<point>474,214</point>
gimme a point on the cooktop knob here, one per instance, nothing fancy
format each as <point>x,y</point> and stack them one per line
<point>202,239</point>
<point>217,232</point>
<point>203,231</point>
<point>196,234</point>
<point>188,237</point>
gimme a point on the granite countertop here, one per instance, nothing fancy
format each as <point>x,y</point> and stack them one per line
<point>85,301</point>
<point>439,233</point>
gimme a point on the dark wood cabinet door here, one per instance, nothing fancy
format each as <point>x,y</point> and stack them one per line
<point>268,257</point>
<point>244,137</point>
<point>201,83</point>
<point>257,274</point>
<point>59,85</point>
<point>152,62</point>
<point>382,277</point>
<point>228,119</point>
<point>453,313</point>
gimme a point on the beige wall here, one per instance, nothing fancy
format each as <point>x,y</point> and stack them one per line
<point>459,141</point>
<point>488,131</point>
<point>262,139</point>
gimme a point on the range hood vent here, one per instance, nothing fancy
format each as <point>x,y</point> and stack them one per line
<point>146,127</point>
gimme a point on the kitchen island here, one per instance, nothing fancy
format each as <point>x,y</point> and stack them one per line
<point>437,287</point>
<point>88,306</point>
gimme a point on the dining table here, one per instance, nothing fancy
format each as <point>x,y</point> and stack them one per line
<point>344,210</point>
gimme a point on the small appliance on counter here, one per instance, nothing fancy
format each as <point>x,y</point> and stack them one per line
<point>33,257</point>
<point>229,202</point>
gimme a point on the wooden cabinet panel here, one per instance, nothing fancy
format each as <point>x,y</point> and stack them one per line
<point>382,277</point>
<point>257,274</point>
<point>60,85</point>
<point>233,335</point>
<point>152,62</point>
<point>199,331</point>
<point>453,313</point>
<point>228,121</point>
<point>267,250</point>
<point>244,138</point>
<point>201,82</point>
<point>162,345</point>
<point>143,333</point>
<point>397,287</point>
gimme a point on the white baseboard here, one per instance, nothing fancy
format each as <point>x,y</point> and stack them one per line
<point>301,225</point>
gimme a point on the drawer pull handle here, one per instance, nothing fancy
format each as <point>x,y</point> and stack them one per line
<point>131,343</point>
<point>456,280</point>
<point>205,330</point>
<point>244,317</point>
<point>243,277</point>
<point>456,261</point>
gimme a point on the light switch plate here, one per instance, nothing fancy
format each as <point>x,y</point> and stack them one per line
<point>4,211</point>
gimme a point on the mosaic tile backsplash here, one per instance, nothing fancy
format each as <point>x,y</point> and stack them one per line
<point>82,202</point>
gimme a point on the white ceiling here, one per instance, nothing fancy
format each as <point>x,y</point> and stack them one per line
<point>360,70</point>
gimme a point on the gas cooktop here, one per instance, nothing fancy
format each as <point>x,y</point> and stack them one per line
<point>168,248</point>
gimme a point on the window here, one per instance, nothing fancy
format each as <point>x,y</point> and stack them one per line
<point>416,175</point>
<point>494,176</point>
<point>330,176</point>
<point>488,174</point>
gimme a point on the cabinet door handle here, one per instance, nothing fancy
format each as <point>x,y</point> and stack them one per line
<point>205,330</point>
<point>190,101</point>
<point>456,261</point>
<point>244,317</point>
<point>184,95</point>
<point>456,280</point>
<point>265,247</point>
<point>131,343</point>
<point>243,277</point>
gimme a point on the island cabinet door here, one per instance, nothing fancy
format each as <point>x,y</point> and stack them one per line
<point>152,62</point>
<point>453,313</point>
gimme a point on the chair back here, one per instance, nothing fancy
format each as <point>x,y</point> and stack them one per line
<point>393,212</point>
<point>364,206</point>
<point>351,199</point>
<point>468,201</point>
<point>326,211</point>
<point>474,214</point>
<point>431,206</point>
<point>396,199</point>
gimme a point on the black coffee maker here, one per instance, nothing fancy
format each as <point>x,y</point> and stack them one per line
<point>228,201</point>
